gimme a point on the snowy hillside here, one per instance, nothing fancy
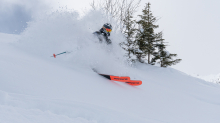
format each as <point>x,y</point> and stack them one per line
<point>210,78</point>
<point>37,88</point>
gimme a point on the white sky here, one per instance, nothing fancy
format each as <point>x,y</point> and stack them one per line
<point>190,26</point>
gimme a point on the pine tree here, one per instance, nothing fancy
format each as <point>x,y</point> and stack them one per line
<point>146,38</point>
<point>129,33</point>
<point>156,54</point>
<point>165,58</point>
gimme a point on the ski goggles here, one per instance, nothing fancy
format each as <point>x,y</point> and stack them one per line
<point>108,30</point>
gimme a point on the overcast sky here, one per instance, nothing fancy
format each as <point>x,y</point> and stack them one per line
<point>15,13</point>
<point>190,26</point>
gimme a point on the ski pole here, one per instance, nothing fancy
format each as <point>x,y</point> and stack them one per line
<point>54,55</point>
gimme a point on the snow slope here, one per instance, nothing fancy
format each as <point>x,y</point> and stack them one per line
<point>36,88</point>
<point>209,78</point>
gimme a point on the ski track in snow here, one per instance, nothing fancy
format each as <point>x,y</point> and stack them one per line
<point>37,88</point>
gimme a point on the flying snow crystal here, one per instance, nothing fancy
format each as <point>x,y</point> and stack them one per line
<point>64,31</point>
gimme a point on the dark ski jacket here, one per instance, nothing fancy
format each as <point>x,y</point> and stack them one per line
<point>103,35</point>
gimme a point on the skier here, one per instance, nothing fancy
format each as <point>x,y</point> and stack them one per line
<point>104,33</point>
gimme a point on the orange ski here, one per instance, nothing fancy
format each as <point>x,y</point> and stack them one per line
<point>116,78</point>
<point>125,79</point>
<point>134,82</point>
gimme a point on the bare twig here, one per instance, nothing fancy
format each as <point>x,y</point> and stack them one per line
<point>117,9</point>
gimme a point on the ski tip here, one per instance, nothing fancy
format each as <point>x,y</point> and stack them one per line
<point>120,78</point>
<point>134,82</point>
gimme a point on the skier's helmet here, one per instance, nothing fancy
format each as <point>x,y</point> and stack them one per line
<point>107,27</point>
